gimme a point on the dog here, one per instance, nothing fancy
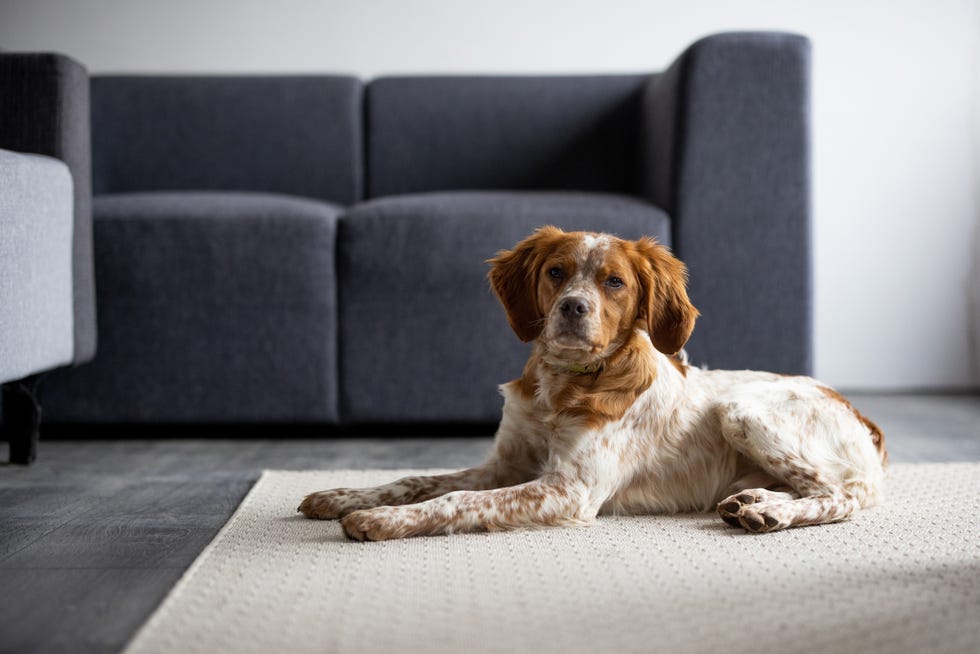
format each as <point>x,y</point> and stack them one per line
<point>609,418</point>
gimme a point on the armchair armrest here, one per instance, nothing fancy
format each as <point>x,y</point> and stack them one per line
<point>45,110</point>
<point>726,153</point>
<point>35,265</point>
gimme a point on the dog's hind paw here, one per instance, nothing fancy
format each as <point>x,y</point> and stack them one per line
<point>743,510</point>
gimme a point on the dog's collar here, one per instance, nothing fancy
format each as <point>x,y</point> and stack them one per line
<point>585,369</point>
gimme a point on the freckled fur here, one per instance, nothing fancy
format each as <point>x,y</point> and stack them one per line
<point>877,437</point>
<point>609,418</point>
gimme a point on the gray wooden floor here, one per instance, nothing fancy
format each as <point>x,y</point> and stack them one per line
<point>95,533</point>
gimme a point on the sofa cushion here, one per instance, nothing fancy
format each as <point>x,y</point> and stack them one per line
<point>422,337</point>
<point>517,132</point>
<point>213,307</point>
<point>284,134</point>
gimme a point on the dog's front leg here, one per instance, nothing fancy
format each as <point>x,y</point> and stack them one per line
<point>338,502</point>
<point>555,499</point>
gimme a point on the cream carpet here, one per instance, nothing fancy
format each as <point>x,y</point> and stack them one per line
<point>904,577</point>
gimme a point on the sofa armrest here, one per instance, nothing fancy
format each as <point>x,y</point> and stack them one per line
<point>44,109</point>
<point>726,152</point>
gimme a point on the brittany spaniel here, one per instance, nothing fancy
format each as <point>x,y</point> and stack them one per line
<point>609,418</point>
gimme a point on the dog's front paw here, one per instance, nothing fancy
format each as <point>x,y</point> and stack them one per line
<point>328,505</point>
<point>374,524</point>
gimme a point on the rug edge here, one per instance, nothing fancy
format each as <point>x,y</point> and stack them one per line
<point>203,556</point>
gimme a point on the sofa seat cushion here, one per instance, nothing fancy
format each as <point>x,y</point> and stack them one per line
<point>213,306</point>
<point>422,336</point>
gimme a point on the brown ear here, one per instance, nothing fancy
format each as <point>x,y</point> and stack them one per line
<point>514,278</point>
<point>668,312</point>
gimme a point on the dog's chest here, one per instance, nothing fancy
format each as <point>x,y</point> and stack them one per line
<point>553,438</point>
<point>542,437</point>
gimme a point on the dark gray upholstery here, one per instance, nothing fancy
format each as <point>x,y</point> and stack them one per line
<point>448,133</point>
<point>216,307</point>
<point>286,134</point>
<point>422,337</point>
<point>727,155</point>
<point>44,109</point>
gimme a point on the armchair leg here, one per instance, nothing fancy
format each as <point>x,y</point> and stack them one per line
<point>22,418</point>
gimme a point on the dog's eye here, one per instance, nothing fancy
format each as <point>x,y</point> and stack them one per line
<point>614,282</point>
<point>556,273</point>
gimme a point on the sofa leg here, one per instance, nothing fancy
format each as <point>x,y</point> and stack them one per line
<point>22,418</point>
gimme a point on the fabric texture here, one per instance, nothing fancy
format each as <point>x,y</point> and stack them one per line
<point>216,307</point>
<point>36,306</point>
<point>900,578</point>
<point>422,337</point>
<point>727,155</point>
<point>44,109</point>
<point>284,134</point>
<point>517,133</point>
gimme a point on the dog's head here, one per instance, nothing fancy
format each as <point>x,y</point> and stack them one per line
<point>582,294</point>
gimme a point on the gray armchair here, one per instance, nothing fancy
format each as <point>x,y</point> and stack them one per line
<point>47,299</point>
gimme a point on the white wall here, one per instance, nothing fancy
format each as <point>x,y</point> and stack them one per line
<point>895,114</point>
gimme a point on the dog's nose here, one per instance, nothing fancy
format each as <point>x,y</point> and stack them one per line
<point>575,307</point>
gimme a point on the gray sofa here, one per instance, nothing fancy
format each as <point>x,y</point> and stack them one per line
<point>47,299</point>
<point>310,249</point>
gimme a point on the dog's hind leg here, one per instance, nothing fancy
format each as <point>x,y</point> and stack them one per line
<point>820,461</point>
<point>812,510</point>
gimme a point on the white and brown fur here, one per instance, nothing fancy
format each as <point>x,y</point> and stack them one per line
<point>609,418</point>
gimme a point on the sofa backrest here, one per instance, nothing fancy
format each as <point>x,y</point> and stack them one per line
<point>300,135</point>
<point>515,132</point>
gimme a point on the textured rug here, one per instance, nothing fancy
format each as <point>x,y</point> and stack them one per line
<point>903,577</point>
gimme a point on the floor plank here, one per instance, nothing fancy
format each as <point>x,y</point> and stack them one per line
<point>78,609</point>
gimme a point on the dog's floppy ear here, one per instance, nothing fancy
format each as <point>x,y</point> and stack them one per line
<point>514,278</point>
<point>665,306</point>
